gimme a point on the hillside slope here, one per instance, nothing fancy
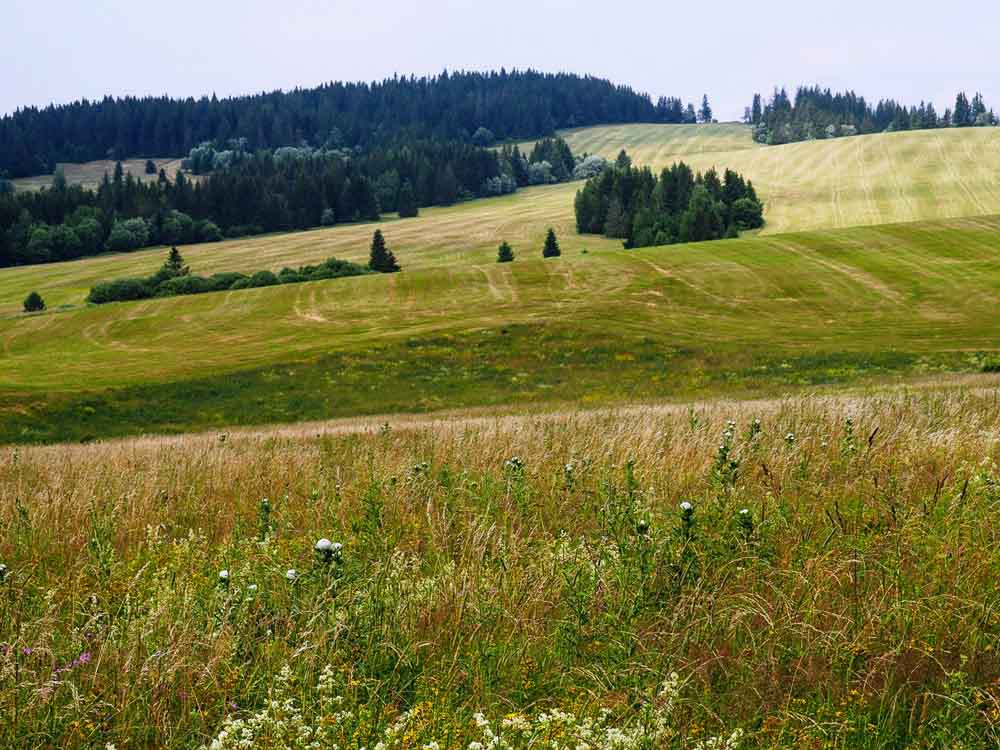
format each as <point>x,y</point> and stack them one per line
<point>859,181</point>
<point>750,315</point>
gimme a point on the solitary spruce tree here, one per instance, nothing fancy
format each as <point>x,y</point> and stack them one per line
<point>34,303</point>
<point>382,259</point>
<point>174,265</point>
<point>551,249</point>
<point>505,254</point>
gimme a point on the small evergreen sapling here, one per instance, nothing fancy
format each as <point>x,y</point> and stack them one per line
<point>381,259</point>
<point>551,249</point>
<point>34,303</point>
<point>505,253</point>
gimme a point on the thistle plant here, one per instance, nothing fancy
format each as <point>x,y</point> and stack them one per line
<point>264,519</point>
<point>726,467</point>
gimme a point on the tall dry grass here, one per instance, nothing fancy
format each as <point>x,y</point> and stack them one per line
<point>854,604</point>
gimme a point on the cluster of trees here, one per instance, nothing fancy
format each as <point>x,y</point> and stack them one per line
<point>175,278</point>
<point>505,253</point>
<point>678,206</point>
<point>819,113</point>
<point>469,107</point>
<point>250,193</point>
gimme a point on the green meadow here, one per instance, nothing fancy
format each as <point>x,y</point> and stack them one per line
<point>831,305</point>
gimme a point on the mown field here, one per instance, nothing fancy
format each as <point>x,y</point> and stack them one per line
<point>609,325</point>
<point>816,573</point>
<point>91,173</point>
<point>861,181</point>
<point>600,325</point>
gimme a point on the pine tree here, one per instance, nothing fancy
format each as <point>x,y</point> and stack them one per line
<point>551,249</point>
<point>174,265</point>
<point>705,113</point>
<point>963,112</point>
<point>381,259</point>
<point>34,303</point>
<point>150,166</point>
<point>616,224</point>
<point>505,254</point>
<point>407,201</point>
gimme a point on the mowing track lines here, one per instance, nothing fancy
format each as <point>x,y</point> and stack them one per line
<point>859,276</point>
<point>958,180</point>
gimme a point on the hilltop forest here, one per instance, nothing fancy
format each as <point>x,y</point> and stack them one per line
<point>817,113</point>
<point>464,106</point>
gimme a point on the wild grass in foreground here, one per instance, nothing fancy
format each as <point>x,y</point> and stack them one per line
<point>814,573</point>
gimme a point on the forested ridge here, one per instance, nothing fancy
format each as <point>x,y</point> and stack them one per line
<point>449,106</point>
<point>242,193</point>
<point>817,113</point>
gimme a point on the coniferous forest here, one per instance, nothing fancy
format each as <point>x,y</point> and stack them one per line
<point>642,209</point>
<point>310,157</point>
<point>817,113</point>
<point>465,106</point>
<point>242,193</point>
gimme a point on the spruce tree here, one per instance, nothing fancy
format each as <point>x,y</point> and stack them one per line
<point>505,254</point>
<point>407,201</point>
<point>381,259</point>
<point>34,303</point>
<point>705,113</point>
<point>174,265</point>
<point>551,249</point>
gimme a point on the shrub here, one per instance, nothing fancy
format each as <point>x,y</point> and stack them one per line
<point>592,166</point>
<point>263,278</point>
<point>150,166</point>
<point>184,285</point>
<point>540,173</point>
<point>208,231</point>
<point>119,290</point>
<point>748,214</point>
<point>178,229</point>
<point>505,254</point>
<point>226,280</point>
<point>130,234</point>
<point>34,303</point>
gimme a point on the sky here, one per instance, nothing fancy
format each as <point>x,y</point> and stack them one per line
<point>63,50</point>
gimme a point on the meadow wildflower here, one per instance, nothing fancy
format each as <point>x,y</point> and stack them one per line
<point>686,507</point>
<point>328,550</point>
<point>224,577</point>
<point>291,575</point>
<point>3,572</point>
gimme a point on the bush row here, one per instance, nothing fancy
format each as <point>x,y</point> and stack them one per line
<point>175,279</point>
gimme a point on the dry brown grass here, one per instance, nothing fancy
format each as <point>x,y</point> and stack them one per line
<point>866,585</point>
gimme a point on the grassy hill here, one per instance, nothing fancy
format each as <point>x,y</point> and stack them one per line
<point>456,329</point>
<point>609,325</point>
<point>858,181</point>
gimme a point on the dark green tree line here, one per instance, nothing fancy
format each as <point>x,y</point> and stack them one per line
<point>641,209</point>
<point>470,107</point>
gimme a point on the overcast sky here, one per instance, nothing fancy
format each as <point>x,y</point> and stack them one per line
<point>60,51</point>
